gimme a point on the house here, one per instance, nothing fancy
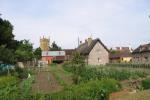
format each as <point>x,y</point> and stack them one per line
<point>53,56</point>
<point>94,51</point>
<point>121,55</point>
<point>141,54</point>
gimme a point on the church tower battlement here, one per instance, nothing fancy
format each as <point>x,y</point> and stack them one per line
<point>44,43</point>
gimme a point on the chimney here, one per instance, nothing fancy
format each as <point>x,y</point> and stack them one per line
<point>89,40</point>
<point>86,40</point>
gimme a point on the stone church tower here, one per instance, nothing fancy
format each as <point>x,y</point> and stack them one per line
<point>44,44</point>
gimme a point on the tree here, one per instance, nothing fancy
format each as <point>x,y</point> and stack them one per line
<point>112,51</point>
<point>55,47</point>
<point>24,51</point>
<point>6,55</point>
<point>6,35</point>
<point>37,53</point>
<point>78,64</point>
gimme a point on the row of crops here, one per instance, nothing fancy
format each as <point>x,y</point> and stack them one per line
<point>102,72</point>
<point>131,65</point>
<point>114,73</point>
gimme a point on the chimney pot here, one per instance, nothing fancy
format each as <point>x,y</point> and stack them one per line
<point>89,41</point>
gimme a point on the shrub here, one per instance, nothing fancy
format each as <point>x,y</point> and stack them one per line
<point>146,83</point>
<point>21,72</point>
<point>76,66</point>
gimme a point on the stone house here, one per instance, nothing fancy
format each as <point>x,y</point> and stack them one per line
<point>94,51</point>
<point>141,54</point>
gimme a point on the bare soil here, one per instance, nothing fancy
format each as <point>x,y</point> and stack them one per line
<point>141,95</point>
<point>46,82</point>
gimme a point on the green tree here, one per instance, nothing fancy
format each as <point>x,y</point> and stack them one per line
<point>78,64</point>
<point>55,47</point>
<point>6,35</point>
<point>7,55</point>
<point>24,51</point>
<point>37,53</point>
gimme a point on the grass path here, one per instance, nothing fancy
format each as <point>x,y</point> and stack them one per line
<point>64,77</point>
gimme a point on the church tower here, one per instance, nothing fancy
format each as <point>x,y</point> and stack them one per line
<point>44,43</point>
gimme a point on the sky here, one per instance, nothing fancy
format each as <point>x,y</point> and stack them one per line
<point>115,22</point>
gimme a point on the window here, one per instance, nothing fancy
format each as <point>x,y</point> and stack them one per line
<point>146,58</point>
<point>99,60</point>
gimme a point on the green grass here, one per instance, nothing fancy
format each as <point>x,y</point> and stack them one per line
<point>7,80</point>
<point>60,74</point>
<point>26,86</point>
<point>13,91</point>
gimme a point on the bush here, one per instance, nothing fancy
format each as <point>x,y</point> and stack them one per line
<point>146,83</point>
<point>21,72</point>
<point>68,66</point>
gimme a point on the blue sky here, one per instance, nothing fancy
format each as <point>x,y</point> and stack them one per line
<point>115,22</point>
